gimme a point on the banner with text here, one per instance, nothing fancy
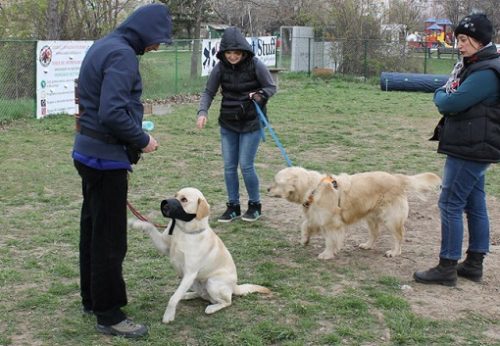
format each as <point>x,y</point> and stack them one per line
<point>264,48</point>
<point>57,67</point>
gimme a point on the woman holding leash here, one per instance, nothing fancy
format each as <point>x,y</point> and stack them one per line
<point>242,78</point>
<point>470,137</point>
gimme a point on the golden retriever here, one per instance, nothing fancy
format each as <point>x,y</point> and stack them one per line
<point>294,184</point>
<point>197,254</point>
<point>379,198</point>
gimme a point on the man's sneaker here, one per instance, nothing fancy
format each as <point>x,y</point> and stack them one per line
<point>232,212</point>
<point>253,213</point>
<point>126,328</point>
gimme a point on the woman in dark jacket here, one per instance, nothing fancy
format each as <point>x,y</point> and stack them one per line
<point>110,122</point>
<point>242,78</point>
<point>470,137</point>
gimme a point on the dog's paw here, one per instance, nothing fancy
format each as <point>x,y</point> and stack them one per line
<point>304,241</point>
<point>326,255</point>
<point>139,225</point>
<point>168,317</point>
<point>392,253</point>
<point>215,307</point>
<point>366,246</point>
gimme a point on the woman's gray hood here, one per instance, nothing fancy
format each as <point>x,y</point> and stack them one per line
<point>233,39</point>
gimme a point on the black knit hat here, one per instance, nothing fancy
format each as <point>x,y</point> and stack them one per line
<point>477,26</point>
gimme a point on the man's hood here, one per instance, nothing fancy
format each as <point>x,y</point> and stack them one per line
<point>148,25</point>
<point>233,39</point>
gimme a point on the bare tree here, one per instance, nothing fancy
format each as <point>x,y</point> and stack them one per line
<point>454,10</point>
<point>405,12</point>
<point>57,17</point>
<point>189,14</point>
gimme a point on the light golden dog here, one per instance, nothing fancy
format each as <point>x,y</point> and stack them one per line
<point>197,254</point>
<point>379,198</point>
<point>294,184</point>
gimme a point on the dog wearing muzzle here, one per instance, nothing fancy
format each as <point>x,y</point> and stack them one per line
<point>197,254</point>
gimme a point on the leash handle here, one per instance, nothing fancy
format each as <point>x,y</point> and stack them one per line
<point>273,134</point>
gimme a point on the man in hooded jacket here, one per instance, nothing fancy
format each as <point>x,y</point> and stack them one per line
<point>109,135</point>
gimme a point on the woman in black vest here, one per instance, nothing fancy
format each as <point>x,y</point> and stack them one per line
<point>242,78</point>
<point>470,137</point>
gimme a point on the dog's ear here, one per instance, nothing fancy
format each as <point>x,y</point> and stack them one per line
<point>203,209</point>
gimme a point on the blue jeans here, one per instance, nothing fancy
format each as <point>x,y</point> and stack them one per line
<point>240,148</point>
<point>463,191</point>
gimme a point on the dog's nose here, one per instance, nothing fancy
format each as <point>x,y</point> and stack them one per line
<point>164,207</point>
<point>268,189</point>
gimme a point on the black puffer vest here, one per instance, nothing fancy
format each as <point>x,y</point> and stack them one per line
<point>474,134</point>
<point>237,111</point>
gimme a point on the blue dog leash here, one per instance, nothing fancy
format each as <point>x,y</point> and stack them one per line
<point>271,131</point>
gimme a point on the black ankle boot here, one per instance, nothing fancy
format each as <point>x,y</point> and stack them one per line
<point>445,273</point>
<point>472,267</point>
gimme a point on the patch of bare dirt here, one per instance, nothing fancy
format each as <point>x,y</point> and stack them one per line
<point>175,99</point>
<point>420,251</point>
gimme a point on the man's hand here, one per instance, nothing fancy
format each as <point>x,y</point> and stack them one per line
<point>152,145</point>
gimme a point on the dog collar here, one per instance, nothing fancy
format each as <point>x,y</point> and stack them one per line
<point>172,226</point>
<point>310,198</point>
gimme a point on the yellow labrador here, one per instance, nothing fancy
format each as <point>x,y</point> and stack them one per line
<point>198,255</point>
<point>294,184</point>
<point>379,198</point>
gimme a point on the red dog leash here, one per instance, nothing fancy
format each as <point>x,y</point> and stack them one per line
<point>142,217</point>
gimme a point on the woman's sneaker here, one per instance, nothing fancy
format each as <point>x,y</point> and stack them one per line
<point>232,212</point>
<point>253,213</point>
<point>126,328</point>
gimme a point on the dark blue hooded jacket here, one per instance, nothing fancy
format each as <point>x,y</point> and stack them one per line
<point>110,87</point>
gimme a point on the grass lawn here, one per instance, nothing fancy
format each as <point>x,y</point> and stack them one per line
<point>329,125</point>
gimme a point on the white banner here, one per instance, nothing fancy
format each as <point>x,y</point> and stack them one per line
<point>57,67</point>
<point>263,47</point>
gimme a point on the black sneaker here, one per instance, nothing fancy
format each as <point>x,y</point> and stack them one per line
<point>126,328</point>
<point>253,213</point>
<point>232,212</point>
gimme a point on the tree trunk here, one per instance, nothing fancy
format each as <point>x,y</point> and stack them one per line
<point>195,57</point>
<point>53,21</point>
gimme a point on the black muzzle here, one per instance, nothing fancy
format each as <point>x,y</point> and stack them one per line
<point>172,209</point>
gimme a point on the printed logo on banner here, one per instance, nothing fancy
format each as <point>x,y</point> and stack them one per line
<point>45,56</point>
<point>209,53</point>
<point>263,47</point>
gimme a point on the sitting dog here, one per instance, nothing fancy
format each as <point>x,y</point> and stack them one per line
<point>294,184</point>
<point>197,254</point>
<point>379,198</point>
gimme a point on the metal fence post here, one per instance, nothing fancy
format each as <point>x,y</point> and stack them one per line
<point>365,59</point>
<point>309,57</point>
<point>427,51</point>
<point>176,68</point>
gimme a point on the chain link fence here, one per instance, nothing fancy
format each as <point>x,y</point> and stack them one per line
<point>17,79</point>
<point>171,71</point>
<point>364,58</point>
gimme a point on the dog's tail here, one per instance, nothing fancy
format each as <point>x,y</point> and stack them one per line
<point>244,289</point>
<point>422,183</point>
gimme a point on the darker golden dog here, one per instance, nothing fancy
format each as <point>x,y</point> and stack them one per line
<point>379,198</point>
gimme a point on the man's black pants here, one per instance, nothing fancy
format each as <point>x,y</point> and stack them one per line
<point>103,242</point>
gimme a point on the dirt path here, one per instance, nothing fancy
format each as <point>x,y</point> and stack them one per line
<point>420,251</point>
